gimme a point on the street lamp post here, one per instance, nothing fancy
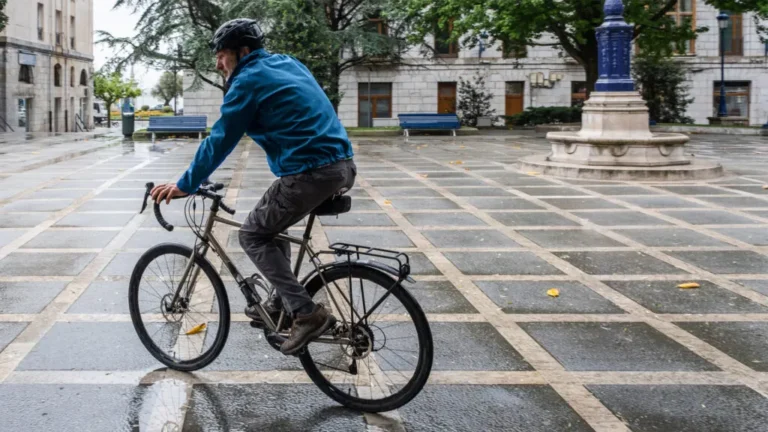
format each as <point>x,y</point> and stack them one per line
<point>722,22</point>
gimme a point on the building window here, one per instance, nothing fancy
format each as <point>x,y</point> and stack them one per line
<point>40,20</point>
<point>83,78</point>
<point>25,74</point>
<point>578,93</point>
<point>57,75</point>
<point>684,14</point>
<point>72,76</point>
<point>59,34</point>
<point>446,98</point>
<point>442,46</point>
<point>376,103</point>
<point>377,24</point>
<point>736,98</point>
<point>72,32</point>
<point>733,41</point>
<point>513,51</point>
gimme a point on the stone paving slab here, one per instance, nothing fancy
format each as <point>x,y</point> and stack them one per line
<point>620,347</point>
<point>267,407</point>
<point>499,408</point>
<point>685,408</point>
<point>530,297</point>
<point>70,407</point>
<point>614,347</point>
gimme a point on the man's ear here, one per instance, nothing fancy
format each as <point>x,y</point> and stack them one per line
<point>244,51</point>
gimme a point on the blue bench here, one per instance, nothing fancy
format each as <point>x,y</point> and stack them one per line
<point>178,124</point>
<point>429,121</point>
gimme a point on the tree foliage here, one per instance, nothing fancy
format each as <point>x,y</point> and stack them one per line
<point>566,25</point>
<point>329,36</point>
<point>474,100</point>
<point>661,82</point>
<point>3,16</point>
<point>168,87</point>
<point>111,87</point>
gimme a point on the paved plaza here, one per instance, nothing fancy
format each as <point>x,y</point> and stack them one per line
<point>621,348</point>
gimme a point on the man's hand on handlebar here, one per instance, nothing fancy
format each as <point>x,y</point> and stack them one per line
<point>166,192</point>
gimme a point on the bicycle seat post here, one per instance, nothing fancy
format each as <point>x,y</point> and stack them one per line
<point>307,237</point>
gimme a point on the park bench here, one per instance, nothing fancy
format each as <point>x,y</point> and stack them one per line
<point>429,121</point>
<point>180,124</point>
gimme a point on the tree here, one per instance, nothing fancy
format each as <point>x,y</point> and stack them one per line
<point>329,36</point>
<point>662,84</point>
<point>474,100</point>
<point>332,36</point>
<point>566,25</point>
<point>168,88</point>
<point>3,16</point>
<point>111,87</point>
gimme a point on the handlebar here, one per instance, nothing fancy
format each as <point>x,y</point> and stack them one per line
<point>206,190</point>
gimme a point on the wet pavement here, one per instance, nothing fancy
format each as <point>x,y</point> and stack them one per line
<point>621,348</point>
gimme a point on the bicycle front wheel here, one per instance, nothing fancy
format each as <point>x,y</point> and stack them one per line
<point>389,355</point>
<point>183,321</point>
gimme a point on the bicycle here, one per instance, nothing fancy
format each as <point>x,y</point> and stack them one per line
<point>361,363</point>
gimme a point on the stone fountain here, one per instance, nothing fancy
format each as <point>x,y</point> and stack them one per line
<point>615,141</point>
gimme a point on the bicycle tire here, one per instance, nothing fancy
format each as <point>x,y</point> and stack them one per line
<point>136,317</point>
<point>423,368</point>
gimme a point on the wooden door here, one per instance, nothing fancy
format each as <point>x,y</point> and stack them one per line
<point>446,98</point>
<point>513,97</point>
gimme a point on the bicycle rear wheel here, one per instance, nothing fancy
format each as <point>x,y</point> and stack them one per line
<point>389,358</point>
<point>190,333</point>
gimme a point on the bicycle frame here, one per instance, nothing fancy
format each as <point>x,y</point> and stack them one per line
<point>209,241</point>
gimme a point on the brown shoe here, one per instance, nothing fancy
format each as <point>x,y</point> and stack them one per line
<point>306,328</point>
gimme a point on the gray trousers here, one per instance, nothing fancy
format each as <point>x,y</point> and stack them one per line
<point>284,204</point>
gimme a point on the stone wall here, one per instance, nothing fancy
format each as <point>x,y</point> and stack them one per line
<point>203,99</point>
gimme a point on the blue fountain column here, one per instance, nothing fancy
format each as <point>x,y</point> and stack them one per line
<point>614,41</point>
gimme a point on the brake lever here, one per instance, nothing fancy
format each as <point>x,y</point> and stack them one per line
<point>149,186</point>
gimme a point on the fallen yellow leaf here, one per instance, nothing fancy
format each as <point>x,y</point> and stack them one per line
<point>458,162</point>
<point>688,285</point>
<point>387,202</point>
<point>553,292</point>
<point>424,175</point>
<point>466,169</point>
<point>196,329</point>
<point>462,146</point>
<point>533,173</point>
<point>765,187</point>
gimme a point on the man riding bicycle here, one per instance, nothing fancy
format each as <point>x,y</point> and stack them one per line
<point>276,101</point>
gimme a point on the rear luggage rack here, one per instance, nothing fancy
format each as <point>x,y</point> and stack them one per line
<point>403,262</point>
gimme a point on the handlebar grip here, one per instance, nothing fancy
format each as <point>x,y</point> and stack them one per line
<point>160,218</point>
<point>217,186</point>
<point>227,209</point>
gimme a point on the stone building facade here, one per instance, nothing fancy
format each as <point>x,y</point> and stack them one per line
<point>430,85</point>
<point>46,78</point>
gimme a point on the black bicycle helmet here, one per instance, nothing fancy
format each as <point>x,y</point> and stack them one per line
<point>237,33</point>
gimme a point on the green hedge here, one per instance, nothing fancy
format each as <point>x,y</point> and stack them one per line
<point>533,116</point>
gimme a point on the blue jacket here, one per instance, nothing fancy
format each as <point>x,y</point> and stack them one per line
<point>276,101</point>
